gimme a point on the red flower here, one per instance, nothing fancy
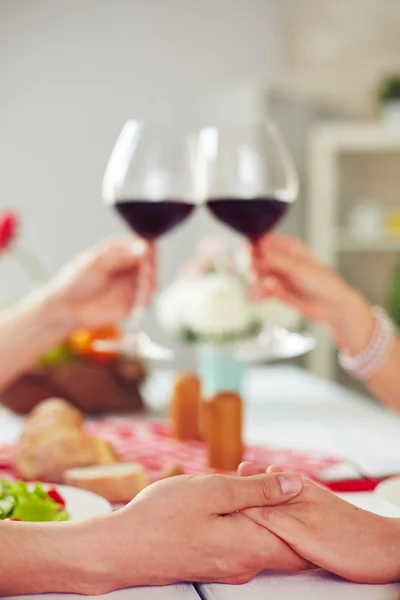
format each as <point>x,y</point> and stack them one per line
<point>8,229</point>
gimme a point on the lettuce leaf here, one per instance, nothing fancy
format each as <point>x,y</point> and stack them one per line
<point>28,502</point>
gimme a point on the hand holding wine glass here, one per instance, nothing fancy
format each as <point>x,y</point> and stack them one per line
<point>100,286</point>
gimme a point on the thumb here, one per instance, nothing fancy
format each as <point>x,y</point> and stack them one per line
<point>237,493</point>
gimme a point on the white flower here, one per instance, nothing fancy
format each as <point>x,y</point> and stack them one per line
<point>219,306</point>
<point>171,304</point>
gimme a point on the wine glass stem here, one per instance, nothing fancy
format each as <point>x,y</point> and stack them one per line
<point>255,251</point>
<point>141,299</point>
<point>136,319</point>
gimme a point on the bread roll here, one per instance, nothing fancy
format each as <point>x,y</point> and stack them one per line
<point>116,483</point>
<point>50,414</point>
<point>58,409</point>
<point>54,440</point>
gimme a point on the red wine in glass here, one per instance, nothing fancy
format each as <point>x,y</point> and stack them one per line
<point>252,217</point>
<point>152,219</point>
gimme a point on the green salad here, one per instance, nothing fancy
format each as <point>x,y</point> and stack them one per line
<point>20,501</point>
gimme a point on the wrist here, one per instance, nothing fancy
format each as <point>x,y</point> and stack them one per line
<point>136,553</point>
<point>93,547</point>
<point>352,322</point>
<point>81,558</point>
<point>86,550</point>
<point>54,314</point>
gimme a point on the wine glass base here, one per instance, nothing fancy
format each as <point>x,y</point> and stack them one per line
<point>138,345</point>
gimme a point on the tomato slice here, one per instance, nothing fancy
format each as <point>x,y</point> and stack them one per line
<point>56,496</point>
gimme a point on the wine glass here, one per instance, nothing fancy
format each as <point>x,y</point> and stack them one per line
<point>247,179</point>
<point>150,182</point>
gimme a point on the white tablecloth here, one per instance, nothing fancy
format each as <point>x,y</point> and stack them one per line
<point>311,585</point>
<point>169,592</point>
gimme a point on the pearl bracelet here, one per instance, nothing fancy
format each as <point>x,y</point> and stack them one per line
<point>367,362</point>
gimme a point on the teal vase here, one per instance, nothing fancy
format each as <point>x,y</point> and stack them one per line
<point>219,370</point>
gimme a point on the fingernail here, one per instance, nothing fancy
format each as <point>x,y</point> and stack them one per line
<point>290,484</point>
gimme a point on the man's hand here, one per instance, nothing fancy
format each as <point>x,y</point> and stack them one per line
<point>100,286</point>
<point>188,529</point>
<point>333,534</point>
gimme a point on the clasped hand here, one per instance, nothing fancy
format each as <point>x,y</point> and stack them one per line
<point>228,529</point>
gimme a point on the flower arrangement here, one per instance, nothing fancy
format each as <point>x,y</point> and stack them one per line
<point>208,303</point>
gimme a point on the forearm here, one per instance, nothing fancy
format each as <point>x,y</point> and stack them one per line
<point>352,328</point>
<point>89,557</point>
<point>385,383</point>
<point>29,329</point>
<point>52,557</point>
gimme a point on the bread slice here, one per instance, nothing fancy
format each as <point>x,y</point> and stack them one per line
<point>117,483</point>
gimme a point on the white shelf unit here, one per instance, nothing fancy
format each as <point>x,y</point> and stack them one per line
<point>327,143</point>
<point>348,242</point>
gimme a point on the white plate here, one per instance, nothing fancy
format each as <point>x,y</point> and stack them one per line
<point>389,491</point>
<point>279,344</point>
<point>372,502</point>
<point>81,504</point>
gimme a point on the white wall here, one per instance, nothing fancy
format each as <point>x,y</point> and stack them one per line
<point>72,72</point>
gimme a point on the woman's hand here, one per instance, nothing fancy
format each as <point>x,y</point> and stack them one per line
<point>287,270</point>
<point>100,286</point>
<point>334,534</point>
<point>188,529</point>
<point>96,289</point>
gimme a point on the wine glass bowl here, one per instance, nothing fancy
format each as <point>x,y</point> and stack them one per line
<point>246,176</point>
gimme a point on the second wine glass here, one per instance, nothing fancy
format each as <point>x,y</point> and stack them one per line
<point>150,182</point>
<point>247,179</point>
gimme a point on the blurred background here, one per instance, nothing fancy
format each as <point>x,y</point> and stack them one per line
<point>72,72</point>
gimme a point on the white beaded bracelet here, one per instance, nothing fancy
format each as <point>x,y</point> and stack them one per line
<point>363,365</point>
